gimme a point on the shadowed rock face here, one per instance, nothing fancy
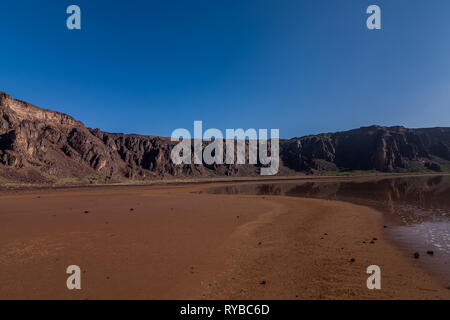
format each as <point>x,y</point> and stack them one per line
<point>38,144</point>
<point>385,149</point>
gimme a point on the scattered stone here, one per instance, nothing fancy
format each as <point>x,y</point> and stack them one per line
<point>374,239</point>
<point>259,243</point>
<point>263,282</point>
<point>107,278</point>
<point>325,234</point>
<point>416,255</point>
<point>237,217</point>
<point>430,252</point>
<point>385,227</point>
<point>131,209</point>
<point>321,238</point>
<point>372,242</point>
<point>86,211</point>
<point>364,242</point>
<point>352,260</point>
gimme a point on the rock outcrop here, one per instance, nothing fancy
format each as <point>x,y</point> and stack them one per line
<point>378,148</point>
<point>41,145</point>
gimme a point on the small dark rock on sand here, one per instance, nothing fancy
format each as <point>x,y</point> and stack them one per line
<point>430,252</point>
<point>263,282</point>
<point>352,260</point>
<point>131,209</point>
<point>86,211</point>
<point>416,255</point>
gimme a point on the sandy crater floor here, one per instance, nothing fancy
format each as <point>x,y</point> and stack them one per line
<point>166,242</point>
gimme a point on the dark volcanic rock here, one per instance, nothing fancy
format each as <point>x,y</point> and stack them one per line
<point>385,149</point>
<point>41,145</point>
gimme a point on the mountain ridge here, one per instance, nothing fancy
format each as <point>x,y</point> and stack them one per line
<point>38,145</point>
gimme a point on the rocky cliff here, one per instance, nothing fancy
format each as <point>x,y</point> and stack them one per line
<point>40,145</point>
<point>378,148</point>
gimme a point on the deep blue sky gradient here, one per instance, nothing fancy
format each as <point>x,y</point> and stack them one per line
<point>304,67</point>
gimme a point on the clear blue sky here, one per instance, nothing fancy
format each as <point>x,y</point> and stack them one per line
<point>304,67</point>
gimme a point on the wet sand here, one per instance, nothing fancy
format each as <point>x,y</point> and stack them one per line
<point>415,210</point>
<point>178,244</point>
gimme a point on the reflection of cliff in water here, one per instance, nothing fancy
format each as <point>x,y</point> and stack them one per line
<point>412,199</point>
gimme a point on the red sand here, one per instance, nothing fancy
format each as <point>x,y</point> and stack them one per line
<point>176,244</point>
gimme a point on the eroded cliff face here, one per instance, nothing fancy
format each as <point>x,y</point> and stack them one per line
<point>385,149</point>
<point>51,142</point>
<point>38,145</point>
